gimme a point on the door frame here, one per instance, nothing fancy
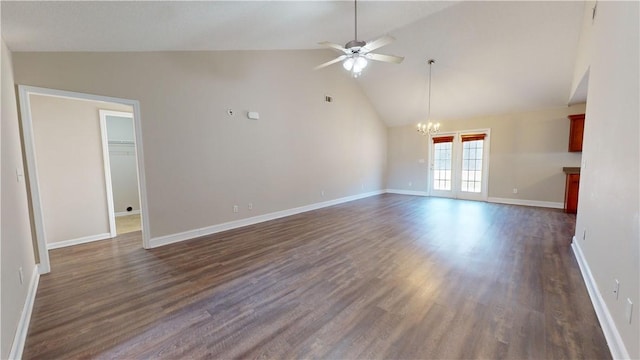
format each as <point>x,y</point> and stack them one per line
<point>26,121</point>
<point>442,193</point>
<point>456,158</point>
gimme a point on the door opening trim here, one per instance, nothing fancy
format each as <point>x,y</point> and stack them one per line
<point>33,181</point>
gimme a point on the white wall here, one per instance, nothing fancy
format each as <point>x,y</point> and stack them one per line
<point>199,161</point>
<point>68,149</point>
<point>608,207</point>
<point>16,247</point>
<point>528,152</point>
<point>122,161</point>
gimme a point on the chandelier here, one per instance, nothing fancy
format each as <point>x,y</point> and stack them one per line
<point>429,128</point>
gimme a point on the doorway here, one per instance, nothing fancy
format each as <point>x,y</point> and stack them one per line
<point>459,164</point>
<point>70,194</point>
<point>119,155</point>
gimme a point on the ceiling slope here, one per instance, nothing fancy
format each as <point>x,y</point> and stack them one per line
<point>491,57</point>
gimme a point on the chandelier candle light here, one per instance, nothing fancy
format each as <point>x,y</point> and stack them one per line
<point>429,128</point>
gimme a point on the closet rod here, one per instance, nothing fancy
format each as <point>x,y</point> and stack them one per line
<point>121,142</point>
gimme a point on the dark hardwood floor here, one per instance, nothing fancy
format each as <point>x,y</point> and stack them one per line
<point>391,276</point>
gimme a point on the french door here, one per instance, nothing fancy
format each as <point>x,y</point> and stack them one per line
<point>459,164</point>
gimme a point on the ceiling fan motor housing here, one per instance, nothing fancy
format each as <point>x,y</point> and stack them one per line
<point>355,45</point>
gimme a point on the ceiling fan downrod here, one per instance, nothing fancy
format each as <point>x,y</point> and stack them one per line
<point>354,44</point>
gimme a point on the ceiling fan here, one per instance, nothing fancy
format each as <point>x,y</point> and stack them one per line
<point>356,53</point>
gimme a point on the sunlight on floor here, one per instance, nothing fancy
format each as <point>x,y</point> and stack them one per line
<point>127,224</point>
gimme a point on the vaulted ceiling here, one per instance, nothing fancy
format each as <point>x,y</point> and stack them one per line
<point>491,57</point>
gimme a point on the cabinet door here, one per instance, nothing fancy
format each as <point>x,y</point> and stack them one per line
<point>576,132</point>
<point>571,193</point>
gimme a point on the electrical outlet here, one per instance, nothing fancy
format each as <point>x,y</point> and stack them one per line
<point>362,186</point>
<point>322,193</point>
<point>21,275</point>
<point>250,206</point>
<point>235,208</point>
<point>616,288</point>
<point>410,183</point>
<point>629,310</point>
<point>515,190</point>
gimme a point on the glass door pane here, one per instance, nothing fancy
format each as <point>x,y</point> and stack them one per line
<point>471,176</point>
<point>442,166</point>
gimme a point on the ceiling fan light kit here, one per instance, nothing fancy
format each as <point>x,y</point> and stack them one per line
<point>356,54</point>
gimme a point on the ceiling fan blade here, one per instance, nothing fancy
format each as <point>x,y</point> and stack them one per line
<point>334,46</point>
<point>377,43</point>
<point>386,58</point>
<point>338,59</point>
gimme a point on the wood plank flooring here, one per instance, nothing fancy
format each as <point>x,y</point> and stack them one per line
<point>390,276</point>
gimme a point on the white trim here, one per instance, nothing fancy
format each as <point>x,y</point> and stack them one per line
<point>107,171</point>
<point>32,175</point>
<point>82,240</point>
<point>127,213</point>
<point>25,317</point>
<point>614,340</point>
<point>407,192</point>
<point>536,203</point>
<point>34,186</point>
<point>190,234</point>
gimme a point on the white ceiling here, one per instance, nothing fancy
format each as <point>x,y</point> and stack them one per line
<point>491,57</point>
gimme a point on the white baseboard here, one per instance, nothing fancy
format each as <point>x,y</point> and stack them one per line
<point>611,334</point>
<point>406,192</point>
<point>536,203</point>
<point>25,317</point>
<point>77,241</point>
<point>186,235</point>
<point>126,213</point>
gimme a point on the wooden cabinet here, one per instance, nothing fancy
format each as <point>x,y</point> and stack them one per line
<point>571,191</point>
<point>576,130</point>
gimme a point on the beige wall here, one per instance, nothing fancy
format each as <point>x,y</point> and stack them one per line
<point>70,165</point>
<point>199,161</point>
<point>405,150</point>
<point>584,47</point>
<point>608,207</point>
<point>528,152</point>
<point>16,249</point>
